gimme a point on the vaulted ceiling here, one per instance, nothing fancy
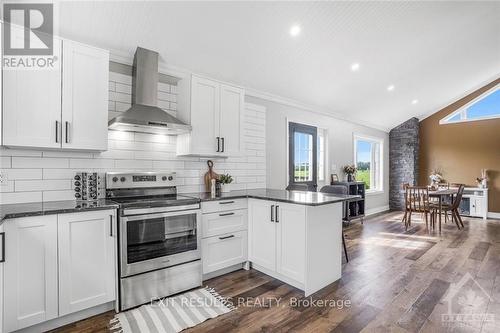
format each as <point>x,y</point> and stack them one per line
<point>432,52</point>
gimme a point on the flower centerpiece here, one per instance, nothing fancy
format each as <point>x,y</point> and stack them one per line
<point>436,178</point>
<point>225,182</point>
<point>482,181</point>
<point>350,171</point>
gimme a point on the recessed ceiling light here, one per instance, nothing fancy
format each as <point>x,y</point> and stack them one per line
<point>355,67</point>
<point>415,101</point>
<point>390,88</point>
<point>295,30</point>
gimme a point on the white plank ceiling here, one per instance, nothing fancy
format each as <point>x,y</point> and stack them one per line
<point>434,52</point>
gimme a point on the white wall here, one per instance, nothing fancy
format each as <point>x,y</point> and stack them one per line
<point>340,145</point>
<point>38,175</point>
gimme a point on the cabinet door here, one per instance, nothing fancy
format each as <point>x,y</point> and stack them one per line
<point>291,247</point>
<point>223,251</point>
<point>2,256</point>
<point>262,233</point>
<point>32,105</point>
<point>30,271</point>
<point>231,119</point>
<point>85,97</point>
<point>86,260</point>
<point>204,116</point>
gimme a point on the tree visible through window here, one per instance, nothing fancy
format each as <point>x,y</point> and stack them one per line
<point>368,159</point>
<point>486,106</point>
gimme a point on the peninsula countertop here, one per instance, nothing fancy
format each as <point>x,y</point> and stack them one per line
<point>295,197</point>
<point>10,211</point>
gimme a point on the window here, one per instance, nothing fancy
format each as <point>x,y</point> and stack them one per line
<point>303,156</point>
<point>321,154</point>
<point>486,106</point>
<point>368,160</point>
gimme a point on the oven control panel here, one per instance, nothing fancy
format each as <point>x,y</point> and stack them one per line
<point>140,179</point>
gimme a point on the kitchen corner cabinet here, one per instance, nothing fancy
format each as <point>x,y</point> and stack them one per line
<point>56,265</point>
<point>298,244</point>
<point>215,112</point>
<point>61,108</point>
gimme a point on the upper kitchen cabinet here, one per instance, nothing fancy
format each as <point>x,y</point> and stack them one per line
<point>64,107</point>
<point>85,97</point>
<point>215,112</point>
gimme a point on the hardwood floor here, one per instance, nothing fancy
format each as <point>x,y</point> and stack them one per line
<point>395,281</point>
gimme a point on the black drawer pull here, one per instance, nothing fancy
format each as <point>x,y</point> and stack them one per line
<point>226,237</point>
<point>226,214</point>
<point>225,202</point>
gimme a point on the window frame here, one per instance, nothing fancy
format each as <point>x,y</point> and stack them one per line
<point>308,129</point>
<point>462,111</point>
<point>380,142</point>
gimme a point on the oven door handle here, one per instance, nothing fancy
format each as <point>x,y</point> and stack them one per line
<point>158,215</point>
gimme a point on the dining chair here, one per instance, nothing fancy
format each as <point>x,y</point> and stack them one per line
<point>451,208</point>
<point>339,189</point>
<point>416,201</point>
<point>403,187</point>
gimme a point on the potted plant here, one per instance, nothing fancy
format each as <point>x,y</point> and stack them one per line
<point>225,182</point>
<point>482,181</point>
<point>350,171</point>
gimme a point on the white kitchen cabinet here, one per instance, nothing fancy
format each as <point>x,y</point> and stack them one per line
<point>224,251</point>
<point>87,254</point>
<point>32,105</point>
<point>290,240</point>
<point>85,97</point>
<point>2,261</point>
<point>262,233</point>
<point>61,108</point>
<point>30,271</point>
<point>215,112</point>
<point>224,222</point>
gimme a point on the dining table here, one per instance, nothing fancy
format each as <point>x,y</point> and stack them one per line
<point>440,194</point>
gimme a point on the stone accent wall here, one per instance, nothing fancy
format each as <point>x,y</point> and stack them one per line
<point>403,160</point>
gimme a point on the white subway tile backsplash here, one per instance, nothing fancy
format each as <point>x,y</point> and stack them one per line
<point>34,175</point>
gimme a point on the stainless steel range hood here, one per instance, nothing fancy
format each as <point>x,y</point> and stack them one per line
<point>145,116</point>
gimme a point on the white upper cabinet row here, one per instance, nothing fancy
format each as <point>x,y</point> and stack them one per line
<point>215,112</point>
<point>63,107</point>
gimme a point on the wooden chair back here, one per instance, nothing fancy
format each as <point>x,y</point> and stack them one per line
<point>417,198</point>
<point>458,197</point>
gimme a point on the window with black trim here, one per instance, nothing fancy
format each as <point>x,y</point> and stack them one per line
<point>303,156</point>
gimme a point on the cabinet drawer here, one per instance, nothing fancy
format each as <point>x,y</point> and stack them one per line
<point>224,251</point>
<point>223,222</point>
<point>223,205</point>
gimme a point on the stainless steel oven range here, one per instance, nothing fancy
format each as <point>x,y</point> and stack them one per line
<point>159,236</point>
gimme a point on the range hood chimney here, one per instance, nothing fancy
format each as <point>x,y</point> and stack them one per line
<point>145,116</point>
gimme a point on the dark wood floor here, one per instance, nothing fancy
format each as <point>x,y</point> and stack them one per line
<point>396,281</point>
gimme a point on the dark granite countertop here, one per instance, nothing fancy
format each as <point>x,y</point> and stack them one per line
<point>295,197</point>
<point>52,207</point>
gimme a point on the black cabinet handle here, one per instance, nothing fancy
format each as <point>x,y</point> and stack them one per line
<point>272,213</point>
<point>225,202</point>
<point>3,246</point>
<point>111,225</point>
<point>218,144</point>
<point>277,213</point>
<point>226,237</point>
<point>67,132</point>
<point>226,214</point>
<point>57,131</point>
<point>222,139</point>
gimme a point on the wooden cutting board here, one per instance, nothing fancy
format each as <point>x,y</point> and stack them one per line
<point>209,176</point>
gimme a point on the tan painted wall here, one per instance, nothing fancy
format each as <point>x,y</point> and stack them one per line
<point>462,150</point>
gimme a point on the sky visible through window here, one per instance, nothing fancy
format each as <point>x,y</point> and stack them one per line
<point>363,151</point>
<point>488,106</point>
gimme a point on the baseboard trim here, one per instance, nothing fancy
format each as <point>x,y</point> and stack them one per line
<point>493,215</point>
<point>376,210</point>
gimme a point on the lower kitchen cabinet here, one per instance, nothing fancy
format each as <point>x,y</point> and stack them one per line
<point>57,264</point>
<point>224,251</point>
<point>262,233</point>
<point>87,255</point>
<point>30,271</point>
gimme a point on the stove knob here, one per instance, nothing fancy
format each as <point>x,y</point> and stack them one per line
<point>170,178</point>
<point>122,179</point>
<point>77,177</point>
<point>77,183</point>
<point>164,178</point>
<point>77,195</point>
<point>77,189</point>
<point>115,179</point>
